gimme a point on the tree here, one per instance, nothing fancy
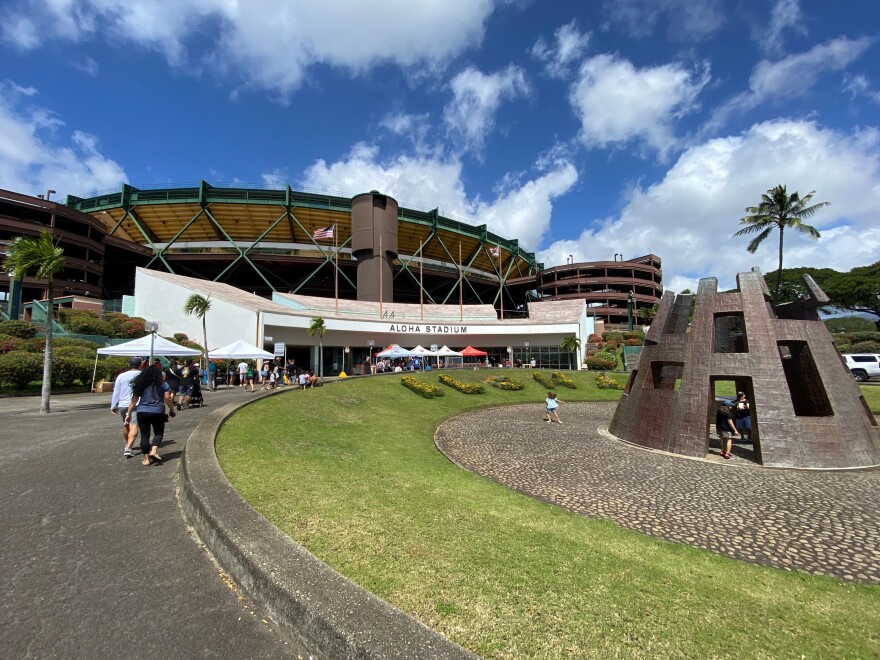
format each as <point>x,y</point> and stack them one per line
<point>570,344</point>
<point>46,260</point>
<point>779,210</point>
<point>318,327</point>
<point>198,306</point>
<point>858,290</point>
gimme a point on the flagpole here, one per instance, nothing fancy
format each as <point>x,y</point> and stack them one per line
<point>421,285</point>
<point>460,290</point>
<point>500,284</point>
<point>336,271</point>
<point>381,268</point>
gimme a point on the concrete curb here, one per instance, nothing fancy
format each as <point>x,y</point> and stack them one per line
<point>327,615</point>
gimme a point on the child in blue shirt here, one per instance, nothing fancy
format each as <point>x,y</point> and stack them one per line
<point>552,408</point>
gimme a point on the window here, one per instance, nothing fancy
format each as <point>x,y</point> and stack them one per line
<point>664,375</point>
<point>808,395</point>
<point>730,333</point>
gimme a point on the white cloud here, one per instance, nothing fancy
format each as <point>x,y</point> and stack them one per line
<point>689,217</point>
<point>785,15</point>
<point>859,87</point>
<point>36,155</point>
<point>422,182</point>
<point>476,97</point>
<point>685,19</point>
<point>792,76</point>
<point>414,127</point>
<point>87,65</point>
<point>617,103</point>
<point>570,44</point>
<point>268,44</point>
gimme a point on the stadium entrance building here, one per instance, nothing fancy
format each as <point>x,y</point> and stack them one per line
<point>281,324</point>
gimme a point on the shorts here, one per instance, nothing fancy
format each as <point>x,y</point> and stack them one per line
<point>724,434</point>
<point>134,417</point>
<point>184,390</point>
<point>552,410</point>
<point>744,424</point>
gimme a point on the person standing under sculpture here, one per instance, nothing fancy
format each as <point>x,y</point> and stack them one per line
<point>725,428</point>
<point>743,415</point>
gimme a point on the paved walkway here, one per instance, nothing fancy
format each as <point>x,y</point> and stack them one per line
<point>97,561</point>
<point>820,522</point>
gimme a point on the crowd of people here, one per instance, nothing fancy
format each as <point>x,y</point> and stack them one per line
<point>248,374</point>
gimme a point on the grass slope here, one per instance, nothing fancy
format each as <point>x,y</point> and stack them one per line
<point>350,472</point>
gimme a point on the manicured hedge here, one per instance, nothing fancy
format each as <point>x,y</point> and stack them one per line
<point>465,388</point>
<point>505,383</point>
<point>19,368</point>
<point>20,329</point>
<point>560,378</point>
<point>425,390</point>
<point>605,382</point>
<point>543,380</point>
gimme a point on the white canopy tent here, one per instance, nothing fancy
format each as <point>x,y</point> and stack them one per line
<point>240,350</point>
<point>421,350</point>
<point>395,351</point>
<point>148,345</point>
<point>450,357</point>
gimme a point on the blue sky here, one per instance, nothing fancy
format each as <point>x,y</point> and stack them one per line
<point>623,126</point>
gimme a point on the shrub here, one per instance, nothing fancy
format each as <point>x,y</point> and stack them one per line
<point>560,378</point>
<point>19,368</point>
<point>635,342</point>
<point>505,383</point>
<point>74,352</point>
<point>866,347</point>
<point>611,345</point>
<point>34,345</point>
<point>110,366</point>
<point>20,329</point>
<point>84,321</point>
<point>9,343</point>
<point>856,337</point>
<point>180,336</point>
<point>602,361</point>
<point>594,339</point>
<point>634,334</point>
<point>543,380</point>
<point>850,324</point>
<point>425,390</point>
<point>465,388</point>
<point>125,327</point>
<point>67,370</point>
<point>606,336</point>
<point>604,382</point>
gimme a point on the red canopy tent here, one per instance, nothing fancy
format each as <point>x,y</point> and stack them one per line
<point>470,351</point>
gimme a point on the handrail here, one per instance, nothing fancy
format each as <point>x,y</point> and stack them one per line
<point>40,314</point>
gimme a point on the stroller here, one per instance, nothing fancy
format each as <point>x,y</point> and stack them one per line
<point>196,400</point>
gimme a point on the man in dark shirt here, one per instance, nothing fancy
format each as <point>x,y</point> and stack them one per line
<point>190,375</point>
<point>725,428</point>
<point>172,377</point>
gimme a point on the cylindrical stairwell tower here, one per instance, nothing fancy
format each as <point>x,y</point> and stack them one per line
<point>374,244</point>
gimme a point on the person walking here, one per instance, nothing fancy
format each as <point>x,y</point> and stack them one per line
<point>552,407</point>
<point>249,374</point>
<point>242,374</point>
<point>120,400</point>
<point>725,428</point>
<point>173,378</point>
<point>150,396</point>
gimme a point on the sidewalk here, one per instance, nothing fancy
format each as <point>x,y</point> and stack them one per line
<point>97,561</point>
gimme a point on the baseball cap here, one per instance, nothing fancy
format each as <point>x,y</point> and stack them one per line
<point>136,361</point>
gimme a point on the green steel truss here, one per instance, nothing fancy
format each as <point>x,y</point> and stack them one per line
<point>439,231</point>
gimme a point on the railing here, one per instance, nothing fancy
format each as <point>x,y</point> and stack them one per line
<point>40,316</point>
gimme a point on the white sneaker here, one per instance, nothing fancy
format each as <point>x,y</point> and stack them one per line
<point>127,452</point>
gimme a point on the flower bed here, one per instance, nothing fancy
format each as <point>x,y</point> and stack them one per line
<point>425,390</point>
<point>605,382</point>
<point>465,388</point>
<point>543,380</point>
<point>505,383</point>
<point>560,378</point>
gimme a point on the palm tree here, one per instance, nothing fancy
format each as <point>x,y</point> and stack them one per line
<point>779,210</point>
<point>198,306</point>
<point>46,259</point>
<point>318,327</point>
<point>570,344</point>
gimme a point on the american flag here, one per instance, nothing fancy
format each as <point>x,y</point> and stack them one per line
<point>495,251</point>
<point>326,232</point>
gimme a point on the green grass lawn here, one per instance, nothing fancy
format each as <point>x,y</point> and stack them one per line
<point>350,471</point>
<point>872,396</point>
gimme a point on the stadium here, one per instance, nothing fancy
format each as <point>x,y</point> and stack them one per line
<point>262,240</point>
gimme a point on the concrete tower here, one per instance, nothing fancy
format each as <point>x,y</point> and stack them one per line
<point>374,244</point>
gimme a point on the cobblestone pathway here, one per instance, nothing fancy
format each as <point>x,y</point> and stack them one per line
<point>820,522</point>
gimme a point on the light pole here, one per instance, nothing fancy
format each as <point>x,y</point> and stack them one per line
<point>629,309</point>
<point>570,259</point>
<point>48,193</point>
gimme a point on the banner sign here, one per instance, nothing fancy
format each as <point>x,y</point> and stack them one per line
<point>279,349</point>
<point>429,329</point>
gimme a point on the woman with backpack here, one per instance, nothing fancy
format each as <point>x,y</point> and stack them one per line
<point>150,394</point>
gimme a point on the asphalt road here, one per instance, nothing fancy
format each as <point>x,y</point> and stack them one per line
<point>97,561</point>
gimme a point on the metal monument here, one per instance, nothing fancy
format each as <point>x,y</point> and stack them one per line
<point>807,410</point>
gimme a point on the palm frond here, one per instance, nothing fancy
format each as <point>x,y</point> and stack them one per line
<point>756,242</point>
